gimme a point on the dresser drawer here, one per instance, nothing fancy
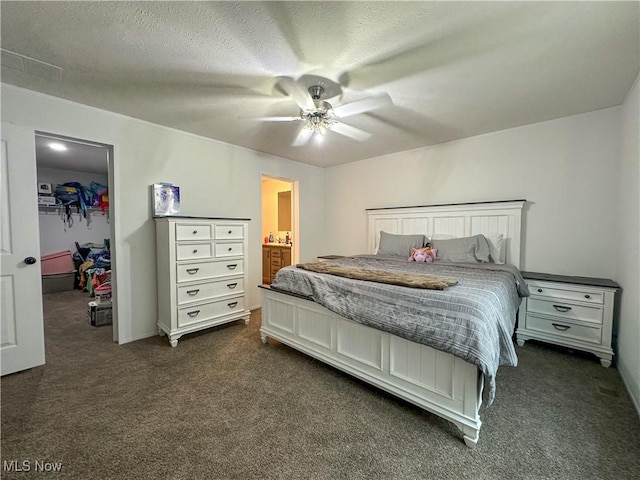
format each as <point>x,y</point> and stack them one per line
<point>193,231</point>
<point>570,311</point>
<point>193,251</point>
<point>565,292</point>
<point>229,232</point>
<point>188,272</point>
<point>562,329</point>
<point>207,311</point>
<point>209,290</point>
<point>230,249</point>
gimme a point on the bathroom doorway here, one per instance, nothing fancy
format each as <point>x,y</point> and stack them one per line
<point>280,226</point>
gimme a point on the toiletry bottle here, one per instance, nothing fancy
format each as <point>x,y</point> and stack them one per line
<point>287,238</point>
<point>270,237</point>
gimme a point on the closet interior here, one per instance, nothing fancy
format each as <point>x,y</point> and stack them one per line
<point>73,206</point>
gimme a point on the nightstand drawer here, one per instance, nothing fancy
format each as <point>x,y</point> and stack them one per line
<point>570,311</point>
<point>561,329</point>
<point>565,292</point>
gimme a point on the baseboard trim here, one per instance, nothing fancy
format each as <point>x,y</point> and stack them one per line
<point>138,337</point>
<point>629,383</point>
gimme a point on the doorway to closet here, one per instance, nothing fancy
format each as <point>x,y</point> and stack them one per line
<point>280,226</point>
<point>75,238</point>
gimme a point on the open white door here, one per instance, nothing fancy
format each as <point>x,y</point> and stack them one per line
<point>21,324</point>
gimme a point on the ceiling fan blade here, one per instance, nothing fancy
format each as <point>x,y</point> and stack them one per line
<point>304,135</point>
<point>277,119</point>
<point>297,93</point>
<point>364,105</point>
<point>349,131</point>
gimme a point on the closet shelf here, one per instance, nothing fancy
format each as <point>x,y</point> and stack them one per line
<point>57,208</point>
<point>60,208</point>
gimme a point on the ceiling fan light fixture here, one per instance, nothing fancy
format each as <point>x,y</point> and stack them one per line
<point>320,119</point>
<point>310,92</point>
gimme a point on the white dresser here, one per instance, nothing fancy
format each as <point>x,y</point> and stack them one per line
<point>575,312</point>
<point>202,273</point>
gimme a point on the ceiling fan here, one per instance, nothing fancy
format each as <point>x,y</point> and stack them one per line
<point>318,115</point>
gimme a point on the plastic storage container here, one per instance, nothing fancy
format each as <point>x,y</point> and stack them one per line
<point>103,294</point>
<point>57,282</point>
<point>59,262</point>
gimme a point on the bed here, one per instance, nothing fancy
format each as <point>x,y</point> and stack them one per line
<point>417,360</point>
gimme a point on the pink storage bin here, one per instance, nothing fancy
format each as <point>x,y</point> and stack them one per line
<point>59,262</point>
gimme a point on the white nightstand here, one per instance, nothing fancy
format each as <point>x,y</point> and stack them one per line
<point>575,312</point>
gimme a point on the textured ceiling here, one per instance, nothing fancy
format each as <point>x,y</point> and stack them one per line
<point>452,69</point>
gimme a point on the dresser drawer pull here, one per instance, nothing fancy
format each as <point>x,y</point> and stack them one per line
<point>587,296</point>
<point>194,313</point>
<point>562,328</point>
<point>193,292</point>
<point>539,290</point>
<point>195,232</point>
<point>232,285</point>
<point>232,304</point>
<point>229,232</point>
<point>232,266</point>
<point>191,271</point>
<point>561,308</point>
<point>230,248</point>
<point>195,250</point>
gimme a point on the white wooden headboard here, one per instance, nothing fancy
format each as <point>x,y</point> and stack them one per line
<point>459,220</point>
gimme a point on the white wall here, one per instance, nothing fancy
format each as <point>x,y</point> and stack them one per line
<point>628,215</point>
<point>216,179</point>
<point>55,235</point>
<point>567,170</point>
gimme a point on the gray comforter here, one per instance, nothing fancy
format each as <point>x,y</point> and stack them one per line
<point>473,320</point>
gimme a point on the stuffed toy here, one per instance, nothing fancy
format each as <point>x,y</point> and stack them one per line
<point>426,254</point>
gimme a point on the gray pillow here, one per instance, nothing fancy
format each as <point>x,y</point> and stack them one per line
<point>466,249</point>
<point>399,245</point>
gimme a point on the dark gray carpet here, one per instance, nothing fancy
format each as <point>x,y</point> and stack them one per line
<point>224,406</point>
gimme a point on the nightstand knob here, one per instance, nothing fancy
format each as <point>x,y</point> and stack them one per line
<point>539,290</point>
<point>587,296</point>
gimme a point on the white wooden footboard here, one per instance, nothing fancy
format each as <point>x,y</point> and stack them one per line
<point>436,381</point>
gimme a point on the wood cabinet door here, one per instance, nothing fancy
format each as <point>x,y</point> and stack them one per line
<point>286,256</point>
<point>266,265</point>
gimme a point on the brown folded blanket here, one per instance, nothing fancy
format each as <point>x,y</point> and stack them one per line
<point>380,276</point>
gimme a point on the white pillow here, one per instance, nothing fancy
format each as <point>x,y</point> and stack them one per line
<point>497,248</point>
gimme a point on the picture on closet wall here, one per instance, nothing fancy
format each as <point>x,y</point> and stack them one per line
<point>165,199</point>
